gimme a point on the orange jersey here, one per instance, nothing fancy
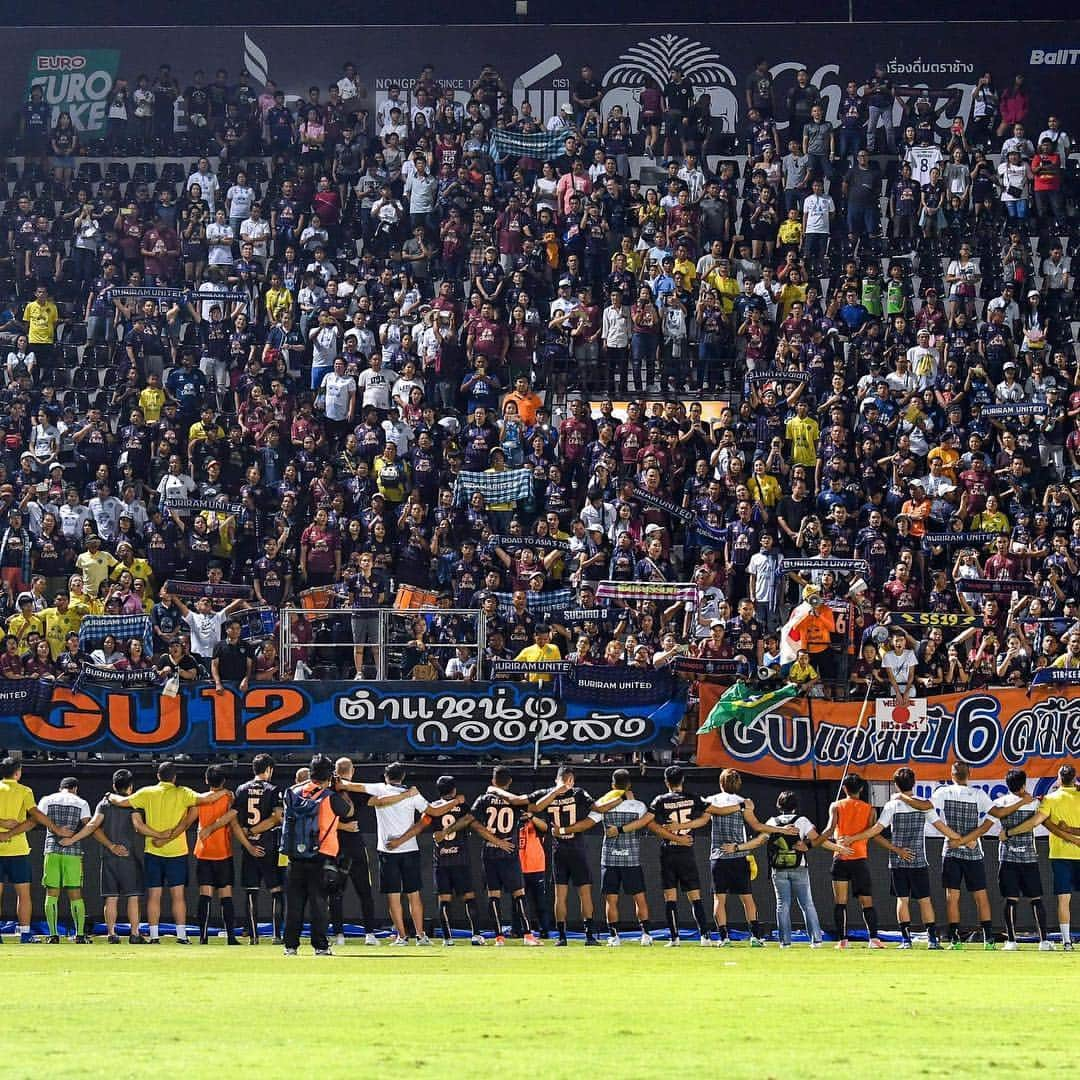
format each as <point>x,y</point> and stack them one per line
<point>853,816</point>
<point>531,850</point>
<point>817,629</point>
<point>219,844</point>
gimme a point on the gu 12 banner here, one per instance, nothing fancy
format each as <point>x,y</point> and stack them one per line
<point>992,730</point>
<point>619,710</point>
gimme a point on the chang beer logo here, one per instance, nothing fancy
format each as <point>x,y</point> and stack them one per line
<point>76,82</point>
<point>656,58</point>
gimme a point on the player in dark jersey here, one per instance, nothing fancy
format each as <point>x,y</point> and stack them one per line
<point>675,809</point>
<point>620,856</point>
<point>566,805</point>
<point>353,864</point>
<point>500,813</point>
<point>258,813</point>
<point>453,867</point>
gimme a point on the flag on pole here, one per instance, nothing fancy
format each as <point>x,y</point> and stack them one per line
<point>740,704</point>
<point>791,635</point>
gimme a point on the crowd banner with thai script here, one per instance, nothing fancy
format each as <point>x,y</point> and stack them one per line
<point>617,710</point>
<point>992,730</point>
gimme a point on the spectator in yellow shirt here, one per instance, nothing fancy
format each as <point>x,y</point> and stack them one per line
<point>803,432</point>
<point>152,398</point>
<point>41,316</point>
<point>26,622</point>
<point>60,620</point>
<point>726,286</point>
<point>789,234</point>
<point>540,651</point>
<point>279,301</point>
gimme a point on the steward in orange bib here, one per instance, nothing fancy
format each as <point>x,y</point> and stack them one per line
<point>309,839</point>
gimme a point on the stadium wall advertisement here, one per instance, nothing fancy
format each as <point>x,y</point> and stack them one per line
<point>992,730</point>
<point>620,709</point>
<point>539,64</point>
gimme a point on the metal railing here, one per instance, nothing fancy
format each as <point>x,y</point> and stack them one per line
<point>338,642</point>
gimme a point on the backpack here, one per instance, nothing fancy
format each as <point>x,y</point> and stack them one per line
<point>300,836</point>
<point>782,853</point>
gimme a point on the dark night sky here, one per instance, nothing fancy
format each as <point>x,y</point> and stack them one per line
<point>248,12</point>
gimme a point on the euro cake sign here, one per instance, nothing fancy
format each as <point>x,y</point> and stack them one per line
<point>76,82</point>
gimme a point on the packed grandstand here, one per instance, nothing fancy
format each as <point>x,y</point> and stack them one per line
<point>628,391</point>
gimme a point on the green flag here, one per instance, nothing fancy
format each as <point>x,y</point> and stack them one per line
<point>739,704</point>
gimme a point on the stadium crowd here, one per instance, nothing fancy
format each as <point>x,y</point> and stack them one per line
<point>357,350</point>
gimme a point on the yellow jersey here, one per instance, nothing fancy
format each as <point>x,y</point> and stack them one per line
<point>152,401</point>
<point>278,302</point>
<point>139,568</point>
<point>803,433</point>
<point>57,627</point>
<point>162,806</point>
<point>1063,808</point>
<point>16,801</point>
<point>41,320</point>
<point>727,289</point>
<point>20,627</point>
<point>95,569</point>
<point>533,654</point>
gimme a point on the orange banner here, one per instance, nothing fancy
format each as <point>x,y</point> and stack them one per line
<point>992,730</point>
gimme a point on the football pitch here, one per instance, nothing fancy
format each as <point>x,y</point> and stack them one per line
<point>120,1011</point>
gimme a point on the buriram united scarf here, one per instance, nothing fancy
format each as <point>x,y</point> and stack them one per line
<point>687,517</point>
<point>502,486</point>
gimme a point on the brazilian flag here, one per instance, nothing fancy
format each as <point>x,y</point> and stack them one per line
<point>740,705</point>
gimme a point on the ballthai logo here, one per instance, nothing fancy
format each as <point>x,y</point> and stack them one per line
<point>1057,57</point>
<point>77,83</point>
<point>656,58</point>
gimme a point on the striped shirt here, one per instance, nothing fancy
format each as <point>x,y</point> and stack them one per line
<point>908,827</point>
<point>1017,849</point>
<point>962,808</point>
<point>65,809</point>
<point>624,849</point>
<point>728,829</point>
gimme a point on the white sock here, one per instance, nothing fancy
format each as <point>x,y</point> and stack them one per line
<point>181,933</point>
<point>24,929</point>
<point>1065,935</point>
<point>153,933</point>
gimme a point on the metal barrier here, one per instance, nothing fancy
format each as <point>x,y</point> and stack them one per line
<point>377,643</point>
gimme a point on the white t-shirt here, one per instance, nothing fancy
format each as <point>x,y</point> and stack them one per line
<point>817,209</point>
<point>220,238</point>
<point>338,389</point>
<point>239,200</point>
<point>205,632</point>
<point>902,666</point>
<point>394,820</point>
<point>375,386</point>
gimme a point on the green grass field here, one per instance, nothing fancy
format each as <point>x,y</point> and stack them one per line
<point>118,1011</point>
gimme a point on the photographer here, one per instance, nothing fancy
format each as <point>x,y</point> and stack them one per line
<point>313,802</point>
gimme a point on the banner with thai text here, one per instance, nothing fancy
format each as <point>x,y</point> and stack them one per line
<point>619,710</point>
<point>810,739</point>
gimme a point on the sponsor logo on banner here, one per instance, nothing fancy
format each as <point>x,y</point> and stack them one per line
<point>1058,57</point>
<point>77,83</point>
<point>908,716</point>
<point>657,57</point>
<point>991,730</point>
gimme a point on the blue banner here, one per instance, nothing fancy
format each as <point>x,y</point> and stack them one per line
<point>613,709</point>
